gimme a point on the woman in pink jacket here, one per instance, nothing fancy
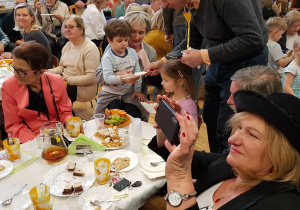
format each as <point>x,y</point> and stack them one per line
<point>32,97</point>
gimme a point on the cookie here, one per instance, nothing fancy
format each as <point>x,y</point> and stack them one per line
<point>2,167</point>
<point>121,163</point>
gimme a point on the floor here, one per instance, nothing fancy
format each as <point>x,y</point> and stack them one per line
<point>85,111</point>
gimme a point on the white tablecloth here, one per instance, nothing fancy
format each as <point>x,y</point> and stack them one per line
<point>35,172</point>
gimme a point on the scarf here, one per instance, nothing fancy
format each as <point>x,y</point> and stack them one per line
<point>142,55</point>
<point>48,27</point>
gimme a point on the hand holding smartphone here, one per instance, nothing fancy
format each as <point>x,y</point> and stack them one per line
<point>166,120</point>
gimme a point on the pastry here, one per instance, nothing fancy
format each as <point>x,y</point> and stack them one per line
<point>2,167</point>
<point>78,187</point>
<point>68,190</point>
<point>121,163</point>
<point>78,172</point>
<point>71,166</point>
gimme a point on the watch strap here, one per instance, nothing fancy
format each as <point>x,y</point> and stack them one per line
<point>184,196</point>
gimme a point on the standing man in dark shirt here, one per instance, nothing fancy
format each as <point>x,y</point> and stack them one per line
<point>236,37</point>
<point>9,23</point>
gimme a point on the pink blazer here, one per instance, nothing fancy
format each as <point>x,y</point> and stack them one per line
<point>23,123</point>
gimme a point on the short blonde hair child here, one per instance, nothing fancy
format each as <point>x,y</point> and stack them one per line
<point>296,44</point>
<point>276,23</point>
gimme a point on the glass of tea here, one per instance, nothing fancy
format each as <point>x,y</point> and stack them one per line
<point>54,147</point>
<point>12,149</point>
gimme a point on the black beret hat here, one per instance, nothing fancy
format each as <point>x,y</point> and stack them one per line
<point>281,110</point>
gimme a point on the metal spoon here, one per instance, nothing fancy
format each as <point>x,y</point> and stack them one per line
<point>8,201</point>
<point>96,202</point>
<point>156,163</point>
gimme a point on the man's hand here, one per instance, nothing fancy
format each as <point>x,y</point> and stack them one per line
<point>169,39</point>
<point>154,68</point>
<point>192,58</point>
<point>79,4</point>
<point>140,96</point>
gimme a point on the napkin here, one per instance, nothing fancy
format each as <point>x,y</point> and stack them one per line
<point>84,140</point>
<point>149,107</point>
<point>153,175</point>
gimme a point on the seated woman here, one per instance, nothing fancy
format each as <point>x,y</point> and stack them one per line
<point>94,21</point>
<point>51,25</point>
<point>32,96</point>
<point>26,20</point>
<point>260,172</point>
<point>79,61</point>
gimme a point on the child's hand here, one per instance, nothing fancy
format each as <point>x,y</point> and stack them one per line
<point>140,96</point>
<point>129,78</point>
<point>127,71</point>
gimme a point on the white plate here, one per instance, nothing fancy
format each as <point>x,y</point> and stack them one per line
<point>47,14</point>
<point>149,106</point>
<point>67,135</point>
<point>145,163</point>
<point>19,202</point>
<point>123,133</point>
<point>141,73</point>
<point>134,160</point>
<point>57,178</point>
<point>8,168</point>
<point>95,193</point>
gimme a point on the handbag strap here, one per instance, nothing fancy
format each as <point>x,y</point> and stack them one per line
<point>51,91</point>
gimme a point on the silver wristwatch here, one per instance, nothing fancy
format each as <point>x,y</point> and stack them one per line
<point>175,198</point>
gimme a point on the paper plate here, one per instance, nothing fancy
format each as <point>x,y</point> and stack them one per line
<point>134,160</point>
<point>58,177</point>
<point>140,73</point>
<point>8,168</point>
<point>145,163</point>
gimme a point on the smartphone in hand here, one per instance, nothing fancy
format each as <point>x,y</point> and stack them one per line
<point>167,122</point>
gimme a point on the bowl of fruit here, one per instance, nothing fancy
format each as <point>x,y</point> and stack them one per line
<point>116,117</point>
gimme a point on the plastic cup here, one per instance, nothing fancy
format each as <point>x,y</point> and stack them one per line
<point>75,202</point>
<point>102,170</point>
<point>99,119</point>
<point>12,151</point>
<point>40,196</point>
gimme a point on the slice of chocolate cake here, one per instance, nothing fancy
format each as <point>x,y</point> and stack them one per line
<point>71,166</point>
<point>78,187</point>
<point>68,190</point>
<point>78,172</point>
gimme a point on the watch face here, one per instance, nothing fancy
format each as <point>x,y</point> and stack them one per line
<point>175,198</point>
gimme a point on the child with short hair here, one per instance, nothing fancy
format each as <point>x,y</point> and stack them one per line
<point>277,26</point>
<point>121,89</point>
<point>292,73</point>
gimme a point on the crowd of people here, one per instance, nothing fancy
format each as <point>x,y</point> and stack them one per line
<point>249,54</point>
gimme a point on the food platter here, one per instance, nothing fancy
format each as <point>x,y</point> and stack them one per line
<point>58,177</point>
<point>121,125</point>
<point>123,134</point>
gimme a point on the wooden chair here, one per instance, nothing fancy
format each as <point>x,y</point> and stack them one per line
<point>73,9</point>
<point>55,61</point>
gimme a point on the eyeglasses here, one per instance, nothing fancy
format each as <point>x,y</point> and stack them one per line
<point>21,74</point>
<point>70,27</point>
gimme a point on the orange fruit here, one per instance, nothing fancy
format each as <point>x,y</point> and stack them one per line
<point>122,113</point>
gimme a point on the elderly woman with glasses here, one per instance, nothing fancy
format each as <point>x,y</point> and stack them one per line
<point>79,61</point>
<point>25,20</point>
<point>261,170</point>
<point>32,96</point>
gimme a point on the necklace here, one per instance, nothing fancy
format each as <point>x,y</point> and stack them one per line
<point>224,195</point>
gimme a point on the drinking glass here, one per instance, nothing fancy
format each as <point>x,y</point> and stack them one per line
<point>74,125</point>
<point>12,149</point>
<point>75,202</point>
<point>40,196</point>
<point>99,119</point>
<point>136,136</point>
<point>102,170</point>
